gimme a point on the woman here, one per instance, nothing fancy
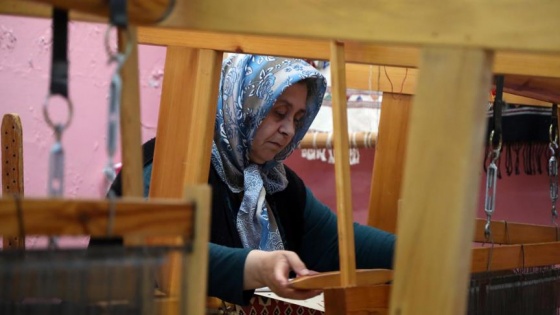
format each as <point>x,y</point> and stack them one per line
<point>265,222</point>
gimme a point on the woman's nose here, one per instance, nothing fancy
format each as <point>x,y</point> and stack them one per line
<point>287,127</point>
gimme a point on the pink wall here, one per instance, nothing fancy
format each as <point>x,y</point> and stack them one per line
<point>24,69</point>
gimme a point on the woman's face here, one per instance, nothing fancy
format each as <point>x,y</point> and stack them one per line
<point>279,127</point>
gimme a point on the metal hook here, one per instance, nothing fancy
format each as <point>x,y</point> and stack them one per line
<point>128,48</point>
<point>555,138</point>
<point>495,149</point>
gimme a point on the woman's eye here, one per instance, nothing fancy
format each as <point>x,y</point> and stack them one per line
<point>280,114</point>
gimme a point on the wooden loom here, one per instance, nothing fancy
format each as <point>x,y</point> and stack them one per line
<point>456,64</point>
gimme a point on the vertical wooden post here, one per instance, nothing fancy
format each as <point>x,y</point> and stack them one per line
<point>388,165</point>
<point>183,148</point>
<point>195,269</point>
<point>201,133</point>
<point>342,167</point>
<point>441,180</point>
<point>168,168</point>
<point>12,169</point>
<point>175,114</point>
<point>131,132</point>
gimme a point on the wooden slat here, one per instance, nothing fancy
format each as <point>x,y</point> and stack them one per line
<point>515,256</point>
<point>91,217</point>
<point>388,166</point>
<point>12,169</point>
<point>342,168</point>
<point>476,23</point>
<point>441,181</point>
<point>131,133</point>
<point>177,99</point>
<point>195,270</point>
<point>202,117</point>
<point>331,280</point>
<point>504,232</point>
<point>139,11</point>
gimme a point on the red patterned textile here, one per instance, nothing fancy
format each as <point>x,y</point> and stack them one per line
<point>265,306</point>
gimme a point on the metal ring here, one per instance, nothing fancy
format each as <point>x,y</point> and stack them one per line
<point>128,48</point>
<point>48,118</point>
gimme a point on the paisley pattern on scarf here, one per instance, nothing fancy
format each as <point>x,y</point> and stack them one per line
<point>249,87</point>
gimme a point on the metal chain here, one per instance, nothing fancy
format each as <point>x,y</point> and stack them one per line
<point>491,179</point>
<point>553,174</point>
<point>115,92</point>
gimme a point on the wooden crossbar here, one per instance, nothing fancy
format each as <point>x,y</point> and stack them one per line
<point>504,232</point>
<point>134,216</point>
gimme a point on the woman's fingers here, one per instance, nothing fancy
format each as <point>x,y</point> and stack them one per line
<point>272,269</point>
<point>286,262</point>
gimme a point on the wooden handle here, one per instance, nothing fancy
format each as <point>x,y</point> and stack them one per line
<point>331,280</point>
<point>12,168</point>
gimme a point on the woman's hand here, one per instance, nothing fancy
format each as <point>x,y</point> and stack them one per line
<point>271,269</point>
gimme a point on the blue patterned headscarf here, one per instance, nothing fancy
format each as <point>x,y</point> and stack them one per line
<point>249,88</point>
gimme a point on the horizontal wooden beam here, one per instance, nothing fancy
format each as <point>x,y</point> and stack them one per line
<point>403,81</point>
<point>132,217</point>
<point>515,256</point>
<point>142,12</point>
<point>504,232</point>
<point>543,65</point>
<point>466,23</point>
<point>297,37</point>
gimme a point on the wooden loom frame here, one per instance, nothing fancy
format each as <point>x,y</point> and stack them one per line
<point>488,31</point>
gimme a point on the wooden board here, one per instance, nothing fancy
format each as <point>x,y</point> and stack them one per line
<point>132,216</point>
<point>444,149</point>
<point>544,89</point>
<point>504,232</point>
<point>388,166</point>
<point>476,23</point>
<point>515,257</point>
